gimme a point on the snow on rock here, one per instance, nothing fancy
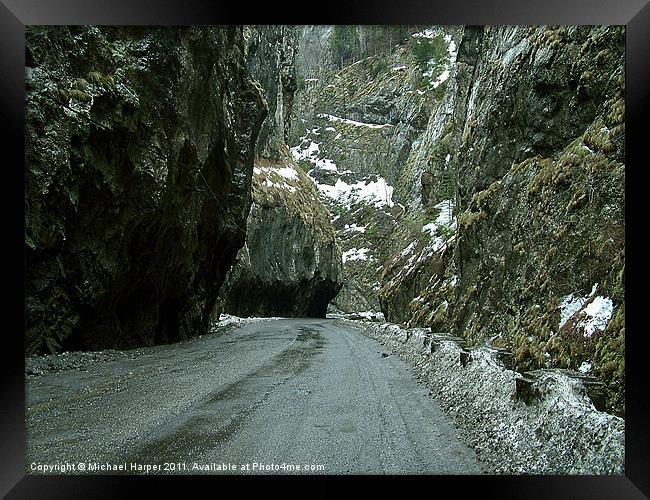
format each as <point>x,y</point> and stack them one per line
<point>430,228</point>
<point>354,227</point>
<point>452,53</point>
<point>409,249</point>
<point>309,150</point>
<point>370,315</point>
<point>590,318</point>
<point>353,122</point>
<point>306,150</point>
<point>228,319</point>
<point>559,433</point>
<point>452,49</point>
<point>427,33</point>
<point>286,172</point>
<point>445,219</point>
<point>569,306</point>
<point>378,192</point>
<point>355,254</point>
<point>585,367</point>
<point>597,315</point>
<point>437,243</point>
<point>277,178</point>
<point>443,77</point>
<point>325,164</point>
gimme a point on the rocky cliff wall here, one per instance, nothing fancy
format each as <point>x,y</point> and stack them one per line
<point>313,56</point>
<point>531,140</point>
<point>358,133</point>
<point>271,54</point>
<point>291,263</point>
<point>366,116</point>
<point>139,155</point>
<point>501,211</point>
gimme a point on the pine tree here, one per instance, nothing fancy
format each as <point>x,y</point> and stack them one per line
<point>343,44</point>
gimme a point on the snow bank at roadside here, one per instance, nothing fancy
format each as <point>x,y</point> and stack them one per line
<point>557,431</point>
<point>228,319</point>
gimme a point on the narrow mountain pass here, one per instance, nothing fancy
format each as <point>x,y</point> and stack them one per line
<point>275,396</point>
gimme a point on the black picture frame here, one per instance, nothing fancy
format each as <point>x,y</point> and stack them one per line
<point>16,14</point>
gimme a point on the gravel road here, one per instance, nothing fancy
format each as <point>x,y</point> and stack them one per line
<point>266,397</point>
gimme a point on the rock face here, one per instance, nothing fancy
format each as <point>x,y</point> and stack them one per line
<point>355,131</point>
<point>313,55</point>
<point>139,156</point>
<point>530,137</point>
<point>271,54</point>
<point>291,263</point>
<point>506,174</point>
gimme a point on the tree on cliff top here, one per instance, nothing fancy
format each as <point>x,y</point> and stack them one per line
<point>343,43</point>
<point>352,43</point>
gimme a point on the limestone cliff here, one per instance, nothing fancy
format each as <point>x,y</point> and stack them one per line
<point>500,217</point>
<point>291,263</point>
<point>271,54</point>
<point>139,156</point>
<point>531,138</point>
<point>354,131</point>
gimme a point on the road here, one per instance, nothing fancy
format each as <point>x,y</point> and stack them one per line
<point>298,392</point>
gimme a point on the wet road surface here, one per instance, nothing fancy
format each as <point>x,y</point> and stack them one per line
<point>278,396</point>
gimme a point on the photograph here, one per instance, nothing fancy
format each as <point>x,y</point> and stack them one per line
<point>364,249</point>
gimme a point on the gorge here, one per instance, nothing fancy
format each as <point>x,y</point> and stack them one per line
<point>454,193</point>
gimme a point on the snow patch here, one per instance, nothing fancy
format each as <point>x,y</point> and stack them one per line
<point>378,192</point>
<point>597,315</point>
<point>309,151</point>
<point>445,218</point>
<point>594,317</point>
<point>353,122</point>
<point>355,254</point>
<point>585,367</point>
<point>427,33</point>
<point>229,319</point>
<point>354,227</point>
<point>371,315</point>
<point>443,77</point>
<point>569,306</point>
<point>277,177</point>
<point>408,249</point>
